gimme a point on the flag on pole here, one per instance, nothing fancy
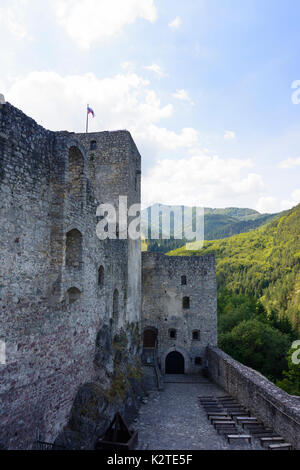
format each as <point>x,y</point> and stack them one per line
<point>89,111</point>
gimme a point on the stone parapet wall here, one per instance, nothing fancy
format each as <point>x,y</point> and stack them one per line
<point>276,408</point>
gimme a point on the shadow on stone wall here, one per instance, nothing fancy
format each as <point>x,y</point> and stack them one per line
<point>119,387</point>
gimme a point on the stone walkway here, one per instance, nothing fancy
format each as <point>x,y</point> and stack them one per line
<point>174,420</point>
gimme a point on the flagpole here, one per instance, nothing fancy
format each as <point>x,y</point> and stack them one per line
<point>87,119</point>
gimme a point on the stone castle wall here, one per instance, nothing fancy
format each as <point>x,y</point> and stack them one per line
<point>115,170</point>
<point>70,304</point>
<point>163,310</point>
<point>63,326</point>
<point>276,408</point>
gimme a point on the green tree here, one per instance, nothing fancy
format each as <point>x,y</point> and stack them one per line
<point>257,345</point>
<point>291,381</point>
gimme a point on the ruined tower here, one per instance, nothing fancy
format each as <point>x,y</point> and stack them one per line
<point>70,303</point>
<point>179,310</point>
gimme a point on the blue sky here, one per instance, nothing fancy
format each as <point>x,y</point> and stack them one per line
<point>205,87</point>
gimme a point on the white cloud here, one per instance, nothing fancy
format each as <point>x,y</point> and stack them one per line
<point>200,180</point>
<point>296,196</point>
<point>166,139</point>
<point>96,21</point>
<point>12,18</point>
<point>174,24</point>
<point>156,69</point>
<point>273,204</point>
<point>128,66</point>
<point>127,101</point>
<point>229,135</point>
<point>267,204</point>
<point>183,96</point>
<point>121,101</point>
<point>289,163</point>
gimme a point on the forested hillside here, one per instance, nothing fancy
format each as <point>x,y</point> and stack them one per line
<point>258,276</point>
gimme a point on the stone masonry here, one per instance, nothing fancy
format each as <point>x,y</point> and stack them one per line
<point>64,324</point>
<point>179,305</point>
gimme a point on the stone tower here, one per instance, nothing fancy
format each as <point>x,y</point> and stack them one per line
<point>70,304</point>
<point>179,310</point>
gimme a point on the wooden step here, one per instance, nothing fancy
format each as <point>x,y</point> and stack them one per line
<point>226,399</point>
<point>271,440</point>
<point>246,419</point>
<point>238,413</point>
<point>229,405</point>
<point>218,424</point>
<point>212,405</point>
<point>232,405</point>
<point>253,425</point>
<point>208,400</point>
<point>236,407</point>
<point>254,428</point>
<point>225,419</point>
<point>239,436</point>
<point>285,446</point>
<point>221,415</point>
<point>214,410</point>
<point>259,434</point>
<point>226,431</point>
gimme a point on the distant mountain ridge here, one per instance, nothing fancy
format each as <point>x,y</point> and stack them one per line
<point>218,223</point>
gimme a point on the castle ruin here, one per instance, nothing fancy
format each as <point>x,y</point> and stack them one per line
<point>78,314</point>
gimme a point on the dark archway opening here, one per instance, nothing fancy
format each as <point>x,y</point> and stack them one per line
<point>149,355</point>
<point>174,363</point>
<point>74,294</point>
<point>150,339</point>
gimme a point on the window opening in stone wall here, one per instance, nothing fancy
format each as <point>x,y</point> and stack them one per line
<point>75,172</point>
<point>186,303</point>
<point>73,294</point>
<point>93,145</point>
<point>196,335</point>
<point>101,276</point>
<point>173,334</point>
<point>74,249</point>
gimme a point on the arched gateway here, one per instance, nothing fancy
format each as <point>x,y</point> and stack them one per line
<point>174,363</point>
<point>150,338</point>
